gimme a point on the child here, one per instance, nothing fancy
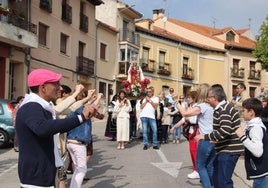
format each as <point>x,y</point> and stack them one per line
<point>166,120</point>
<point>255,140</point>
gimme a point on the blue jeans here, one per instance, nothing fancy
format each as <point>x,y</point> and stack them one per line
<point>152,122</point>
<point>206,154</point>
<point>224,166</point>
<point>176,134</point>
<point>260,182</point>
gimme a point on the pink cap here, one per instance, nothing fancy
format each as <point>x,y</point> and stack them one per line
<point>40,76</point>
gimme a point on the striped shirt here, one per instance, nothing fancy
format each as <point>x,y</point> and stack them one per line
<point>225,121</point>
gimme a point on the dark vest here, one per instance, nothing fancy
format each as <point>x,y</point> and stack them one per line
<point>257,167</point>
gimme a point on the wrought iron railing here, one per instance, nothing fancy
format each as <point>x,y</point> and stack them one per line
<point>66,13</point>
<point>83,23</point>
<point>129,36</point>
<point>12,18</point>
<point>85,66</point>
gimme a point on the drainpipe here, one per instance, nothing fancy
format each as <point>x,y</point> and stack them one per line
<point>28,55</point>
<point>179,64</point>
<point>96,54</point>
<point>229,90</point>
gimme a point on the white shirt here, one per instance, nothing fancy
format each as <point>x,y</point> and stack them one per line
<point>149,111</point>
<point>254,144</point>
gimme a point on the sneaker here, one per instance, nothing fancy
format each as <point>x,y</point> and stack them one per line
<point>177,142</point>
<point>193,175</point>
<point>86,178</point>
<point>174,142</point>
<point>155,147</point>
<point>145,147</point>
<point>16,149</point>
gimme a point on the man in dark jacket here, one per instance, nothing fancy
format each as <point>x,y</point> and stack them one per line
<point>36,125</point>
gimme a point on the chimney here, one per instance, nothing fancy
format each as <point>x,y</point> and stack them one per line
<point>158,13</point>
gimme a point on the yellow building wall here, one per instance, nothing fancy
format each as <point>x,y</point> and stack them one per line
<point>174,56</point>
<point>212,68</point>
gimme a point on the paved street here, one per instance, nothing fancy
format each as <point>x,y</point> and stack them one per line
<point>129,168</point>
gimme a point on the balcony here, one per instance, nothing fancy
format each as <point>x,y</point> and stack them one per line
<point>147,65</point>
<point>17,30</point>
<point>188,75</point>
<point>254,74</point>
<point>85,66</point>
<point>46,5</point>
<point>83,23</point>
<point>164,70</point>
<point>66,13</point>
<point>129,36</point>
<point>238,73</point>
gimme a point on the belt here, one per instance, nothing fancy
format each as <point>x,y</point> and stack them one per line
<point>76,142</point>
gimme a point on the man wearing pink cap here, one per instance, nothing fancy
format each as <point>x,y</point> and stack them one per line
<point>36,124</point>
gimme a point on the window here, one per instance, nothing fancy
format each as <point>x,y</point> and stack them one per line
<point>145,55</point>
<point>125,29</point>
<point>103,48</point>
<point>252,91</point>
<point>83,18</point>
<point>42,34</point>
<point>82,7</point>
<point>161,59</point>
<point>102,88</point>
<point>46,5</point>
<point>63,43</point>
<point>66,13</point>
<point>81,47</point>
<point>252,68</point>
<point>122,55</point>
<point>185,66</point>
<point>234,92</point>
<point>230,36</point>
<point>235,66</point>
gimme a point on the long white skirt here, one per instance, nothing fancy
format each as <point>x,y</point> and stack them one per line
<point>122,131</point>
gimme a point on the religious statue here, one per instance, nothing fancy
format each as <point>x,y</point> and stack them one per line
<point>136,84</point>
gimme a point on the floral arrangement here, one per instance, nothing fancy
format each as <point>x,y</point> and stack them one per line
<point>135,86</point>
<point>4,11</point>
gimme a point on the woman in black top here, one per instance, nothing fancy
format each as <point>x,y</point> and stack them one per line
<point>110,130</point>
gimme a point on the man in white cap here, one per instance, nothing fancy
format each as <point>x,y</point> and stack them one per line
<point>36,125</point>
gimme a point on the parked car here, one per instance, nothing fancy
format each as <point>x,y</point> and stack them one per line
<point>7,130</point>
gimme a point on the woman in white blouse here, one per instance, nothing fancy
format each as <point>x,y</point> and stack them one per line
<point>122,108</point>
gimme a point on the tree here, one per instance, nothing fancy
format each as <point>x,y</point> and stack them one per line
<point>261,51</point>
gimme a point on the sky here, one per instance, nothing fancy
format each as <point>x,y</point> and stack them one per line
<point>239,14</point>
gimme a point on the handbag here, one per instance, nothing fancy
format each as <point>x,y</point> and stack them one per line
<point>189,130</point>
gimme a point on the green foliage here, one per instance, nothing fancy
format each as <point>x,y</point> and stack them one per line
<point>261,51</point>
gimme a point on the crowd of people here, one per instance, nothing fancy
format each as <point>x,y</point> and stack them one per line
<point>56,124</point>
<point>217,129</point>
